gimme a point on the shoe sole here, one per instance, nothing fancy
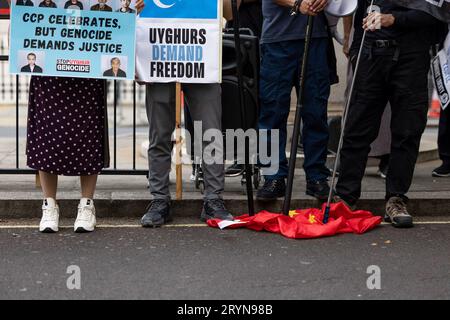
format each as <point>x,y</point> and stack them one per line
<point>382,175</point>
<point>48,230</point>
<point>83,230</point>
<point>156,224</point>
<point>440,175</point>
<point>405,222</point>
<point>269,199</point>
<point>205,217</point>
<point>318,197</point>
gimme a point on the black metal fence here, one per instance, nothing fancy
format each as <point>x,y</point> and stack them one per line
<point>20,89</point>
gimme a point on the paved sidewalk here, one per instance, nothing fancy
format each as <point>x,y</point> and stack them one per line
<point>119,196</point>
<point>127,196</point>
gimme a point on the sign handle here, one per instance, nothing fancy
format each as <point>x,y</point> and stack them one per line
<point>179,166</point>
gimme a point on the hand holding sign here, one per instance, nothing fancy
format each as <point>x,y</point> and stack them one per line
<point>139,6</point>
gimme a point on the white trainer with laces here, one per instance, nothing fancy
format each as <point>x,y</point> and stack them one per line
<point>50,216</point>
<point>86,216</point>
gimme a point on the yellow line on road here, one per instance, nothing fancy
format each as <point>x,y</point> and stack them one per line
<point>108,226</point>
<point>193,225</point>
<point>420,223</point>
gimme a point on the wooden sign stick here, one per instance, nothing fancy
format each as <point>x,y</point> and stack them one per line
<point>178,149</point>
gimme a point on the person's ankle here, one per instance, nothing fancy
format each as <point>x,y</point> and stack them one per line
<point>49,202</point>
<point>86,201</point>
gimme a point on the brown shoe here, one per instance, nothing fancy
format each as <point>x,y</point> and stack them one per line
<point>397,214</point>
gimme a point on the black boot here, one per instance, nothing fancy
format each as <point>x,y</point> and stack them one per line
<point>158,213</point>
<point>318,189</point>
<point>272,190</point>
<point>215,209</point>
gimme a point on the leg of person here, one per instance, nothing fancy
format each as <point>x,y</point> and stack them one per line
<point>205,106</point>
<point>50,210</point>
<point>88,185</point>
<point>160,103</point>
<point>86,219</point>
<point>381,147</point>
<point>444,144</point>
<point>314,116</point>
<point>409,101</point>
<point>363,122</point>
<point>49,183</point>
<point>383,166</point>
<point>189,125</point>
<point>279,70</point>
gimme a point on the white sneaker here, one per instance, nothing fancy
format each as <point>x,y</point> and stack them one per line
<point>86,216</point>
<point>50,216</point>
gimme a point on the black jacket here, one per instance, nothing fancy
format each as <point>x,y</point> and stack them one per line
<point>27,3</point>
<point>414,30</point>
<point>110,73</point>
<point>27,68</point>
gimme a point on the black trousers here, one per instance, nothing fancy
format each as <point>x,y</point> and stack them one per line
<point>402,80</point>
<point>444,136</point>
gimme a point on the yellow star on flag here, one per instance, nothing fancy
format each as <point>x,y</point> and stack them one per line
<point>293,213</point>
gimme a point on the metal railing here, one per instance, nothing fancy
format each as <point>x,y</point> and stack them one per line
<point>14,88</point>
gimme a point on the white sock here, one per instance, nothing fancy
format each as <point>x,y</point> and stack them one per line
<point>49,203</point>
<point>86,202</point>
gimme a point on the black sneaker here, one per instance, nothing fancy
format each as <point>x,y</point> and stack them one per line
<point>272,190</point>
<point>397,214</point>
<point>215,209</point>
<point>158,213</point>
<point>442,171</point>
<point>318,189</point>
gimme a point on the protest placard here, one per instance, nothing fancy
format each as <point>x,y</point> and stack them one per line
<point>441,73</point>
<point>180,41</point>
<point>73,38</point>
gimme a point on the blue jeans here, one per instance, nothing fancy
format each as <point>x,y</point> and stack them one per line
<point>280,70</point>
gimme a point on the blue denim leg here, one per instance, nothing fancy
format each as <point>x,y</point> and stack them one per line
<point>279,68</point>
<point>314,113</point>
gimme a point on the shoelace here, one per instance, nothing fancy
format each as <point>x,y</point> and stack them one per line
<point>156,205</point>
<point>271,185</point>
<point>397,207</point>
<point>49,214</point>
<point>85,214</point>
<point>216,204</point>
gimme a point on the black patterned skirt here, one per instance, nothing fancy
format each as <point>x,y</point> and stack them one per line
<point>67,126</point>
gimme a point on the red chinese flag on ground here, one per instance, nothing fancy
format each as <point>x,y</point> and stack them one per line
<point>305,223</point>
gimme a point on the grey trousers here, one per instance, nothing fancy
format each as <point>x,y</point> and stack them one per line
<point>204,102</point>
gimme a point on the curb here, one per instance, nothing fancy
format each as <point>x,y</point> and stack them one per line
<point>420,204</point>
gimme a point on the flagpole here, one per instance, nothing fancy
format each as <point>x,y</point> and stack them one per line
<point>298,114</point>
<point>248,168</point>
<point>326,215</point>
<point>178,149</point>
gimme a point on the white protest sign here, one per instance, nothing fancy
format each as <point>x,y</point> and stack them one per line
<point>441,73</point>
<point>180,41</point>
